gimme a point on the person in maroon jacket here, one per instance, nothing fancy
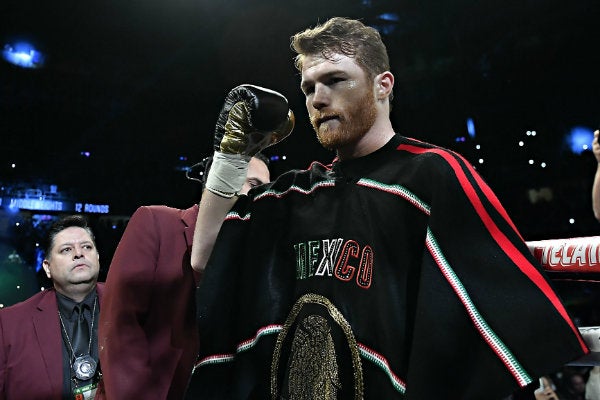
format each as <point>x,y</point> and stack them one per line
<point>39,352</point>
<point>148,331</point>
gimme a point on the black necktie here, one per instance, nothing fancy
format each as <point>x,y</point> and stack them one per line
<point>81,332</point>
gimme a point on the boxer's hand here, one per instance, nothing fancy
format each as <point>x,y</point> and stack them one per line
<point>251,119</point>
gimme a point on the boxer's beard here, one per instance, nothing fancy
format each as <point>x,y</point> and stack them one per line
<point>354,122</point>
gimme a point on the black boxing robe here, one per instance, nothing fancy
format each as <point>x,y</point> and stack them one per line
<point>397,275</point>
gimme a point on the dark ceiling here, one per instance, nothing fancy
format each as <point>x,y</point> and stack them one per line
<point>139,84</point>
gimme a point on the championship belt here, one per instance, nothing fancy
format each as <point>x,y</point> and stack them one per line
<point>316,354</point>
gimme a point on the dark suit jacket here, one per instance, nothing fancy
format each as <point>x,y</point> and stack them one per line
<point>148,339</point>
<point>31,364</point>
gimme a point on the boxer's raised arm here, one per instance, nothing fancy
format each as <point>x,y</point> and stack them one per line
<point>251,119</point>
<point>211,213</point>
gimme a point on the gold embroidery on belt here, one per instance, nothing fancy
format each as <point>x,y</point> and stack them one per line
<point>313,367</point>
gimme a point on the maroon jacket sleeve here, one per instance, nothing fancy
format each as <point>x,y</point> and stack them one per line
<point>148,332</point>
<point>123,345</point>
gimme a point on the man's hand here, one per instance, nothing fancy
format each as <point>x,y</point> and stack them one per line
<point>251,119</point>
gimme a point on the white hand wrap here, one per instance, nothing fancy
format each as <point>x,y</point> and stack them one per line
<point>227,174</point>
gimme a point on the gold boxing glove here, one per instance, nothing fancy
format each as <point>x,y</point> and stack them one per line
<point>252,119</point>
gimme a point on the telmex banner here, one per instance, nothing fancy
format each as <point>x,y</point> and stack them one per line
<point>580,254</point>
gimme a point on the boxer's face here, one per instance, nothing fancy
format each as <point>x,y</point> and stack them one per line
<point>340,99</point>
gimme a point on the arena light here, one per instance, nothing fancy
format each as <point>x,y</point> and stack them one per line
<point>471,127</point>
<point>23,55</point>
<point>389,16</point>
<point>387,23</point>
<point>580,139</point>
